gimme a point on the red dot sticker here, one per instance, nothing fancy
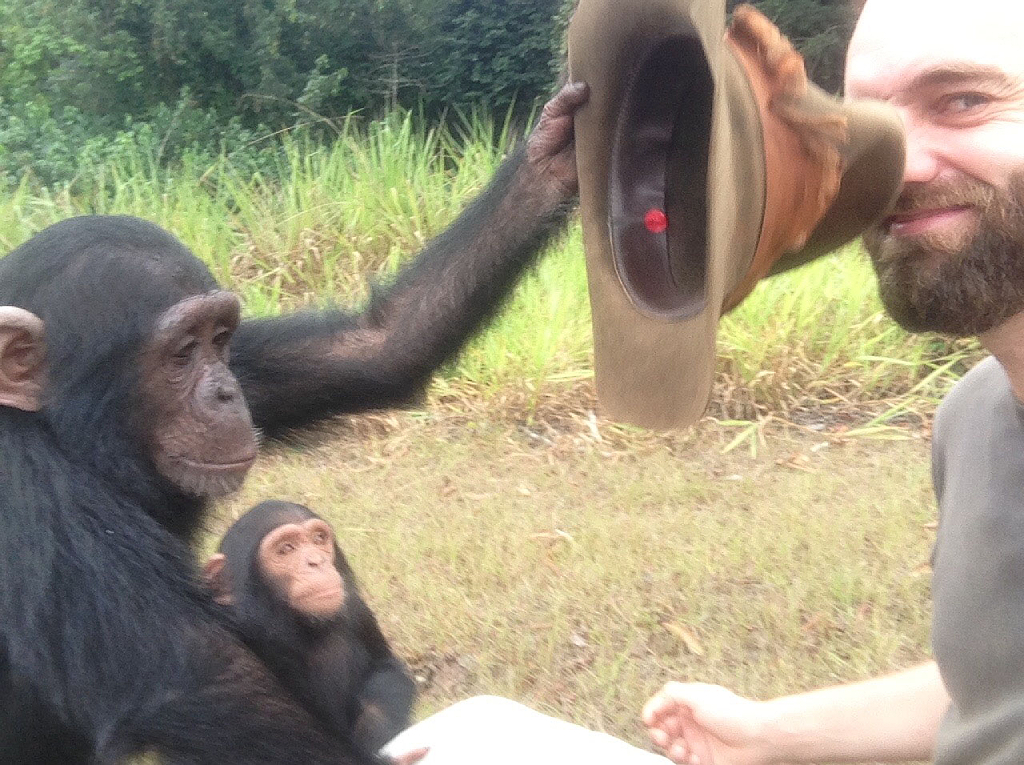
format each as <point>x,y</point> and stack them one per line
<point>656,221</point>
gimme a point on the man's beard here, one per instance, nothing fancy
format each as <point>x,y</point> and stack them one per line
<point>955,284</point>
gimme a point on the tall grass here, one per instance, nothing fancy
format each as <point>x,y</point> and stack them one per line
<point>329,217</point>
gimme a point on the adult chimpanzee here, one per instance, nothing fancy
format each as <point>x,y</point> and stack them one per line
<point>297,605</point>
<point>122,413</point>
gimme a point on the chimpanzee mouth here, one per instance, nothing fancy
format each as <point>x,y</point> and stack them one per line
<point>217,467</point>
<point>206,479</point>
<point>321,599</point>
<point>321,593</point>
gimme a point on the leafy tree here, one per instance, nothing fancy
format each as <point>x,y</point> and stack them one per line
<point>820,30</point>
<point>498,52</point>
<point>80,76</point>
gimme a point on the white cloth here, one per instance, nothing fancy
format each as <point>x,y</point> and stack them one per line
<point>498,731</point>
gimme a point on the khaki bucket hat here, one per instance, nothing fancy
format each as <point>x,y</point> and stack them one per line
<point>706,161</point>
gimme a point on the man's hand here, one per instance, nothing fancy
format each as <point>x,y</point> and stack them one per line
<point>550,149</point>
<point>700,724</point>
<point>891,718</point>
<point>411,757</point>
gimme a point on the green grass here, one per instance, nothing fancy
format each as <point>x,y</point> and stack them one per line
<point>332,216</point>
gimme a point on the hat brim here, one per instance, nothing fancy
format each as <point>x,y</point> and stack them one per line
<point>875,158</point>
<point>656,297</point>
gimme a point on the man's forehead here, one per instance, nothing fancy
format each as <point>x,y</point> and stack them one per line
<point>897,41</point>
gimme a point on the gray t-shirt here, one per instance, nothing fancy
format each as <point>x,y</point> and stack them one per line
<point>978,579</point>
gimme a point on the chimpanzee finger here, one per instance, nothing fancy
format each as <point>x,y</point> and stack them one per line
<point>566,101</point>
<point>554,129</point>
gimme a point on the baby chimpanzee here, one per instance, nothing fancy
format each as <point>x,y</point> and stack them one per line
<point>297,606</point>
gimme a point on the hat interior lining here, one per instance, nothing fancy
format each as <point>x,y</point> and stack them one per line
<point>663,133</point>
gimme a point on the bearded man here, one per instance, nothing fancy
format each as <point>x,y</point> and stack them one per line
<point>949,259</point>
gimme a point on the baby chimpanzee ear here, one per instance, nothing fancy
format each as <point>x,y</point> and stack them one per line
<point>22,356</point>
<point>216,578</point>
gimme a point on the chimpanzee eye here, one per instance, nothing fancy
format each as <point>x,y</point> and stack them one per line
<point>319,537</point>
<point>221,339</point>
<point>286,548</point>
<point>183,355</point>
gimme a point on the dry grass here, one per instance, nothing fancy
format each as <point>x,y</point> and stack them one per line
<point>576,566</point>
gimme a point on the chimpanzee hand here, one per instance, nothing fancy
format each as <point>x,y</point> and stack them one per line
<point>550,149</point>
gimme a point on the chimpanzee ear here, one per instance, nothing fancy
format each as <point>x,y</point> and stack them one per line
<point>216,578</point>
<point>22,356</point>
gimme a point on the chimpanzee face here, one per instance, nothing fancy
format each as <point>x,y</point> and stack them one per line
<point>298,562</point>
<point>200,433</point>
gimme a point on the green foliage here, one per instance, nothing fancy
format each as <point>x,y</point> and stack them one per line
<point>76,75</point>
<point>66,147</point>
<point>72,54</point>
<point>492,49</point>
<point>47,146</point>
<point>274,61</point>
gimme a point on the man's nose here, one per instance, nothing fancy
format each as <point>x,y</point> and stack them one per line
<point>924,153</point>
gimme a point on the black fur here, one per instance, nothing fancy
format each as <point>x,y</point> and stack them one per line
<point>108,643</point>
<point>337,668</point>
<point>408,330</point>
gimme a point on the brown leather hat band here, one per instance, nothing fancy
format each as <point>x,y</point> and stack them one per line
<point>803,150</point>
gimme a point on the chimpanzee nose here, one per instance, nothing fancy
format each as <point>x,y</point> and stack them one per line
<point>221,387</point>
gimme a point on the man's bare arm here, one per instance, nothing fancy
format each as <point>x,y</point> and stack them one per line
<point>889,718</point>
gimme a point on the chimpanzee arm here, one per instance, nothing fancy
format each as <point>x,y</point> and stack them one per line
<point>386,702</point>
<point>354,682</point>
<point>301,368</point>
<point>386,698</point>
<point>239,714</point>
<point>115,644</point>
<point>194,695</point>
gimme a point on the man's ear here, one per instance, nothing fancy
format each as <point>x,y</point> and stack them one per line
<point>22,357</point>
<point>216,578</point>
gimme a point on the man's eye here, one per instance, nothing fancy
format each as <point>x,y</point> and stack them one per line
<point>960,103</point>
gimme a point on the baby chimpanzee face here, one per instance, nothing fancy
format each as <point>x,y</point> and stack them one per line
<point>297,560</point>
